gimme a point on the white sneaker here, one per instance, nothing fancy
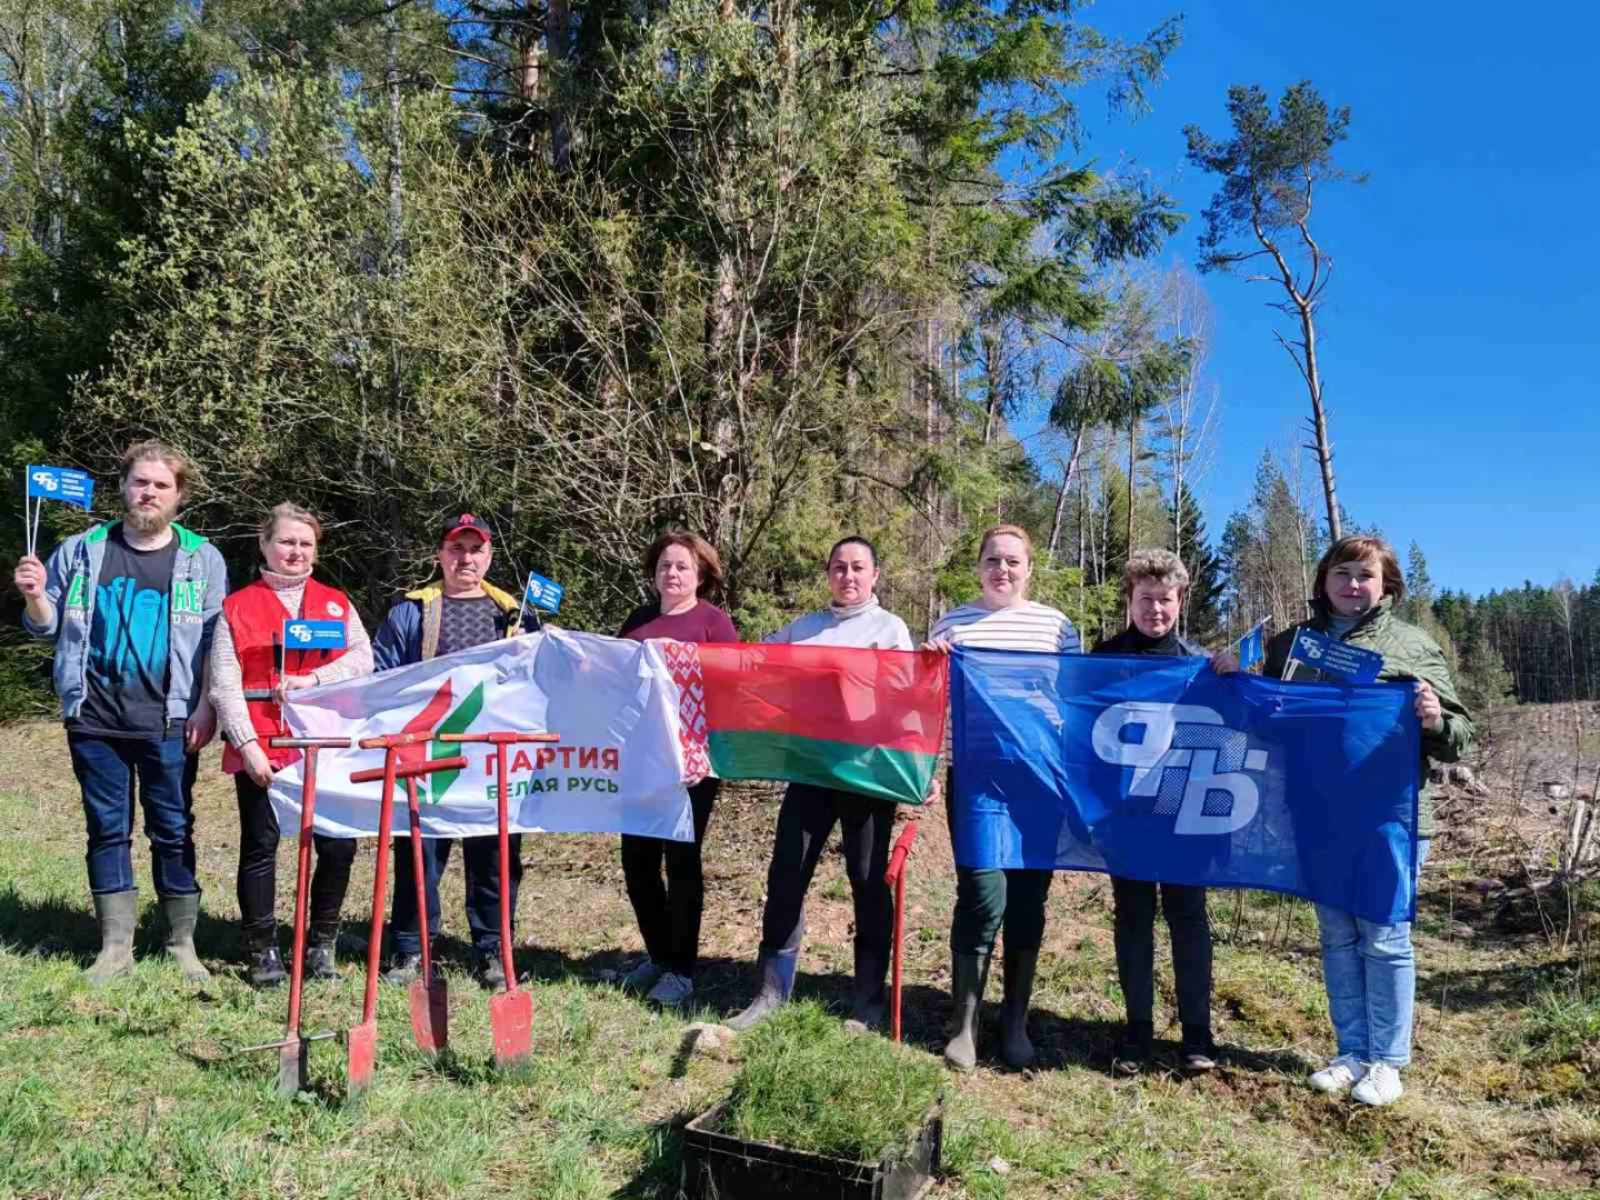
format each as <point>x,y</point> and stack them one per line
<point>1339,1075</point>
<point>1380,1087</point>
<point>672,990</point>
<point>642,978</point>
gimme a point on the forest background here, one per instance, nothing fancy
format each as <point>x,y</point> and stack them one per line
<point>776,273</point>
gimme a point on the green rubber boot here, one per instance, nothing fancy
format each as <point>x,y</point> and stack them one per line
<point>117,914</point>
<point>181,913</point>
<point>968,975</point>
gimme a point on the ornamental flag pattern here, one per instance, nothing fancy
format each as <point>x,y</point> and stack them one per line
<point>683,661</point>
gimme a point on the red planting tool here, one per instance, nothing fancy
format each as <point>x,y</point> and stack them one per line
<point>430,1001</point>
<point>363,1038</point>
<point>294,1048</point>
<point>511,1012</point>
<point>895,877</point>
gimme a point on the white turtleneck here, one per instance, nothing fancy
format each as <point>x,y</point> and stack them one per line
<point>866,626</point>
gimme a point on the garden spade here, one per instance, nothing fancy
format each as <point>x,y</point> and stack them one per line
<point>430,1008</point>
<point>293,1049</point>
<point>362,1040</point>
<point>511,1012</point>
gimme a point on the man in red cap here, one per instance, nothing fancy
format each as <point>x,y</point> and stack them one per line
<point>460,611</point>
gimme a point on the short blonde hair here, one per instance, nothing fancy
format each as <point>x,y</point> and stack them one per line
<point>288,511</point>
<point>1016,531</point>
<point>1159,566</point>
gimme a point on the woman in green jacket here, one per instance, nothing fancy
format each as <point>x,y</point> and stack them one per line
<point>1368,968</point>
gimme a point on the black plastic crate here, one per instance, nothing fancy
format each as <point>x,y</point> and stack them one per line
<point>717,1166</point>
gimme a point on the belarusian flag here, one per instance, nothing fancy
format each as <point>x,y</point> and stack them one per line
<point>867,721</point>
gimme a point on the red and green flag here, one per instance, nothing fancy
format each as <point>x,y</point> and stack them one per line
<point>867,721</point>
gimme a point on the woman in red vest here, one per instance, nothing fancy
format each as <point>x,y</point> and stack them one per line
<point>248,657</point>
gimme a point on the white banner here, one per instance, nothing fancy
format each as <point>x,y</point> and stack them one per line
<point>618,768</point>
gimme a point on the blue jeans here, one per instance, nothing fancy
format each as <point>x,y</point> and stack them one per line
<point>1371,979</point>
<point>107,768</point>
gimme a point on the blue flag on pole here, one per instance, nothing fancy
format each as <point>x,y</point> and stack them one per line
<point>1160,769</point>
<point>544,594</point>
<point>1251,647</point>
<point>62,483</point>
<point>314,635</point>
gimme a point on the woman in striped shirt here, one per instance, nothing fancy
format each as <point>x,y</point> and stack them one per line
<point>1003,619</point>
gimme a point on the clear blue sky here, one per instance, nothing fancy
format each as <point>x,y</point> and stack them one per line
<point>1459,338</point>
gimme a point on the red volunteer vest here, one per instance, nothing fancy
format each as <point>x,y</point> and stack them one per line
<point>255,618</point>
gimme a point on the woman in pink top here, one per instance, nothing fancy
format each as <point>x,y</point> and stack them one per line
<point>684,569</point>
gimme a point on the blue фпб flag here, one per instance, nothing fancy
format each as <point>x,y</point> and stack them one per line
<point>66,484</point>
<point>1251,647</point>
<point>314,635</point>
<point>544,594</point>
<point>1160,769</point>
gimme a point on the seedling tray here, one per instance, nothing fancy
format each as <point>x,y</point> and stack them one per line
<point>719,1166</point>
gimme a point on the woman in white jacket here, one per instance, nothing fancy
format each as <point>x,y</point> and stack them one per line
<point>809,814</point>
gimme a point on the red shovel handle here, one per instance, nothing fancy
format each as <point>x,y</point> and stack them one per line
<point>395,739</point>
<point>306,743</point>
<point>901,852</point>
<point>895,877</point>
<point>412,770</point>
<point>497,739</point>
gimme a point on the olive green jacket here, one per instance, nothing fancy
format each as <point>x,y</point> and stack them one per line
<point>1408,654</point>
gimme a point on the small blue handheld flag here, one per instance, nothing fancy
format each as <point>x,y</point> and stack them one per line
<point>543,594</point>
<point>63,484</point>
<point>1251,650</point>
<point>314,635</point>
<point>1333,657</point>
<point>52,483</point>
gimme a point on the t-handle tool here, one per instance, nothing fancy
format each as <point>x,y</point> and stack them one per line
<point>430,999</point>
<point>895,877</point>
<point>293,1050</point>
<point>362,1042</point>
<point>511,1012</point>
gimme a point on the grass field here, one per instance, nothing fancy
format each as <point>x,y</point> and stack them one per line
<point>134,1091</point>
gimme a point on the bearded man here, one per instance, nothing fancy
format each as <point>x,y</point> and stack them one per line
<point>131,606</point>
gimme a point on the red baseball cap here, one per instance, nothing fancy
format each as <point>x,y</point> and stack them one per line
<point>466,523</point>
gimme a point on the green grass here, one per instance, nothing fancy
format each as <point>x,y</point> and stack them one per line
<point>809,1085</point>
<point>134,1091</point>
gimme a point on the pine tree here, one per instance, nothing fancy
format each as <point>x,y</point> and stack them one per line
<point>1202,615</point>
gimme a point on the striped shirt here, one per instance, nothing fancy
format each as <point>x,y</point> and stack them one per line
<point>1030,626</point>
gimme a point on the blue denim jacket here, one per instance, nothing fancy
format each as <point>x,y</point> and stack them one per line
<point>199,583</point>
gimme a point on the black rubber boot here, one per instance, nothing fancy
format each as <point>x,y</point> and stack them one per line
<point>182,912</point>
<point>117,914</point>
<point>263,966</point>
<point>777,982</point>
<point>969,973</point>
<point>1019,969</point>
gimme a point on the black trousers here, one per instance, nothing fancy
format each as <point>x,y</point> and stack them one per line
<point>1185,910</point>
<point>480,858</point>
<point>805,822</point>
<point>669,912</point>
<point>258,864</point>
